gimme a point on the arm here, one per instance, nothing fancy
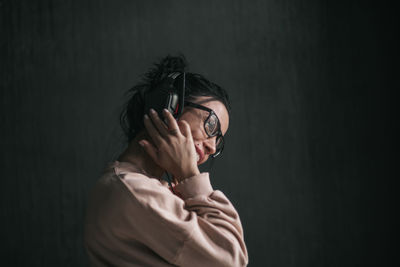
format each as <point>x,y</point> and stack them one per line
<point>203,229</point>
<point>218,224</point>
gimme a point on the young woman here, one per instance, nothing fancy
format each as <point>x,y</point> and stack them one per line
<point>134,217</point>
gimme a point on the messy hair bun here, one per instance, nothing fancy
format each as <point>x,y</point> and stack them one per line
<point>161,69</point>
<point>131,117</point>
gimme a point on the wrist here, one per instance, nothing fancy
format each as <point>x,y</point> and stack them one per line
<point>188,173</point>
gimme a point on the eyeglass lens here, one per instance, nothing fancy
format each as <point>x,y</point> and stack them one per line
<point>212,125</point>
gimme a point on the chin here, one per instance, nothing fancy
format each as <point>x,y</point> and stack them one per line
<point>201,162</point>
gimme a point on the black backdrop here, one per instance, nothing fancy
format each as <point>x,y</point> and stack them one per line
<point>308,155</point>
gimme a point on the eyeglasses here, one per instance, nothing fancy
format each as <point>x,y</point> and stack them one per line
<point>212,127</point>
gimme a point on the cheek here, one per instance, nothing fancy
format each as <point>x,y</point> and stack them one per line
<point>196,125</point>
<point>197,134</point>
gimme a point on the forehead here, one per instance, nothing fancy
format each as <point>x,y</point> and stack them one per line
<point>219,109</point>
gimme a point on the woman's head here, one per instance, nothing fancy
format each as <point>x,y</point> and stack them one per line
<point>198,90</point>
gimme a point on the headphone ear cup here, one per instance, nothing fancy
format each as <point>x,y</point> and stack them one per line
<point>168,95</point>
<point>181,91</point>
<point>173,104</point>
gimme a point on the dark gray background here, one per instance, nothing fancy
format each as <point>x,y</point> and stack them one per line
<point>308,158</point>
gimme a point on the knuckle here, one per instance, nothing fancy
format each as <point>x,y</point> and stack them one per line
<point>173,131</point>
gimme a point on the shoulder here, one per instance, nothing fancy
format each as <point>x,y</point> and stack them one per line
<point>124,176</point>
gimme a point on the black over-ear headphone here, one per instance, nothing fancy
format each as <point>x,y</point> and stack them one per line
<point>169,94</point>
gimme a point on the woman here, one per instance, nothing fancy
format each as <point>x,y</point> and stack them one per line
<point>134,217</point>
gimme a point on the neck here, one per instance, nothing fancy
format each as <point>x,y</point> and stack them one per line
<point>137,156</point>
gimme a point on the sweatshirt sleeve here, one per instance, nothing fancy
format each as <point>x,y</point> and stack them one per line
<point>200,229</point>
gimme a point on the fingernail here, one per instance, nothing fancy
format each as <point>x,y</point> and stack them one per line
<point>146,116</point>
<point>152,111</point>
<point>165,110</point>
<point>141,142</point>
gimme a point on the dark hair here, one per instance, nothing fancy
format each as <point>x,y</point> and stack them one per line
<point>131,117</point>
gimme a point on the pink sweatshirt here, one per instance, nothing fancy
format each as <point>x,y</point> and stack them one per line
<point>135,220</point>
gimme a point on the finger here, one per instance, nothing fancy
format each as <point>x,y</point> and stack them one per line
<point>150,149</point>
<point>173,127</point>
<point>186,131</point>
<point>158,123</point>
<point>152,131</point>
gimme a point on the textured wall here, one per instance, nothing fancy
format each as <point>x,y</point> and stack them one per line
<point>308,151</point>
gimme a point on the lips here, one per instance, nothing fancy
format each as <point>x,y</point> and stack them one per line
<point>200,154</point>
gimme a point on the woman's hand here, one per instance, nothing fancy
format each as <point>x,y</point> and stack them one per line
<point>172,149</point>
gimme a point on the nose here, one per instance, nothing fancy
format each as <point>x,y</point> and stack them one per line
<point>209,145</point>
